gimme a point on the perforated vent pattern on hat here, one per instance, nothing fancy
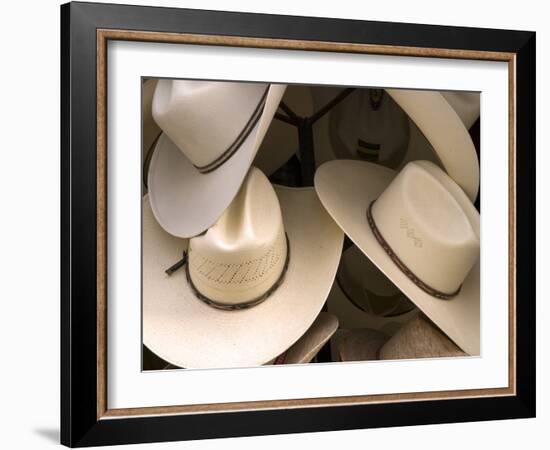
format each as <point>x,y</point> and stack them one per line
<point>250,271</point>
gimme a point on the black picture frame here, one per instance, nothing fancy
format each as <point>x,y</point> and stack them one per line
<point>80,424</point>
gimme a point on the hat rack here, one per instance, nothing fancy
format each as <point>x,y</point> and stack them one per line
<point>304,126</point>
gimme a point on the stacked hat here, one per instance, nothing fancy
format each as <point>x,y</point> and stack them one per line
<point>420,229</point>
<point>197,169</point>
<point>244,291</point>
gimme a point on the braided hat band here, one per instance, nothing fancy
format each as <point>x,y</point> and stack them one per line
<point>233,307</point>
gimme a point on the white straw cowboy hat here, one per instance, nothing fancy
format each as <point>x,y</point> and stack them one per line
<point>249,287</point>
<point>420,229</point>
<point>211,133</point>
<point>405,125</point>
<point>281,139</point>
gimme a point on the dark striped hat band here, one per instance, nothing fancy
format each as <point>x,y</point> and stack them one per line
<point>245,132</point>
<point>233,307</point>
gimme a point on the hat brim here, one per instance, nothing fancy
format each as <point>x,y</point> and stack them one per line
<point>446,132</point>
<point>185,201</point>
<point>346,188</point>
<point>188,333</point>
<point>307,347</point>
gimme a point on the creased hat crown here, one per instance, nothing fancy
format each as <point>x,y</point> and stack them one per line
<point>430,225</point>
<point>243,255</point>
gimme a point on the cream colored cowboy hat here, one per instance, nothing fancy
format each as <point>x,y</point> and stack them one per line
<point>404,126</point>
<point>281,139</point>
<point>249,287</point>
<point>211,133</point>
<point>420,229</point>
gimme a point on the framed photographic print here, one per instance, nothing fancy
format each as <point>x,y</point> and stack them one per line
<point>276,224</point>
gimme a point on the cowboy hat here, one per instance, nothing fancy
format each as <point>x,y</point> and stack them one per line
<point>420,229</point>
<point>281,139</point>
<point>211,133</point>
<point>249,287</point>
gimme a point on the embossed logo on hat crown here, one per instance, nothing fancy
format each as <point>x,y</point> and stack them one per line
<point>404,224</point>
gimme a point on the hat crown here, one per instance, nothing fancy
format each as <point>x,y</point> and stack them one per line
<point>243,255</point>
<point>430,225</point>
<point>203,118</point>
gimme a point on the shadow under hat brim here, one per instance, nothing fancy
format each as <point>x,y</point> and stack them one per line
<point>346,188</point>
<point>350,316</point>
<point>186,332</point>
<point>185,201</point>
